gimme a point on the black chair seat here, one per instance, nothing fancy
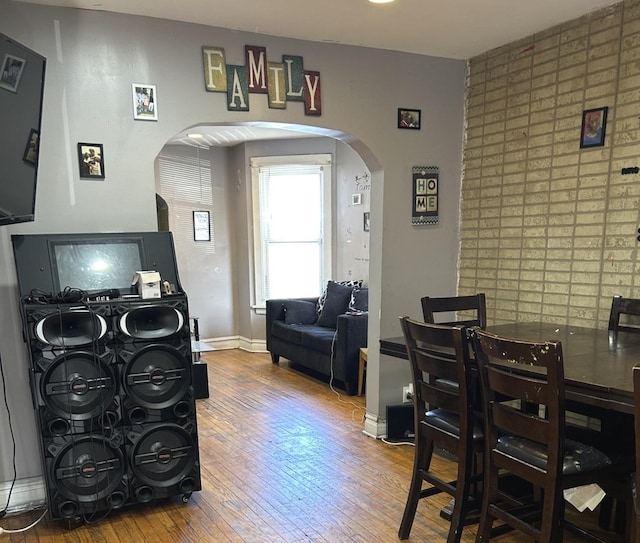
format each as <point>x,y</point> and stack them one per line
<point>578,457</point>
<point>450,422</point>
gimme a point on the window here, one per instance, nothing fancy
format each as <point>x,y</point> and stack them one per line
<point>291,225</point>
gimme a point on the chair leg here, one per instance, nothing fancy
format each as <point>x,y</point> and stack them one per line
<point>551,524</point>
<point>421,461</point>
<point>462,499</point>
<point>489,497</point>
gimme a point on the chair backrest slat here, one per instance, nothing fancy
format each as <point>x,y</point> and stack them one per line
<point>439,359</point>
<point>624,306</point>
<point>471,310</point>
<point>517,375</point>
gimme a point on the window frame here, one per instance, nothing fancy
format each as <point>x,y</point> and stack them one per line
<point>325,161</point>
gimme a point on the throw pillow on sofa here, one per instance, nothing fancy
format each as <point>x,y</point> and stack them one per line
<point>353,283</point>
<point>359,302</point>
<point>300,312</point>
<point>336,303</point>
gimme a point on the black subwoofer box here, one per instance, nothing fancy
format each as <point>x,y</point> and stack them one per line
<point>400,422</point>
<point>200,380</point>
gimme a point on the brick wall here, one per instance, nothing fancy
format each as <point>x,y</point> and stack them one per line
<point>548,230</point>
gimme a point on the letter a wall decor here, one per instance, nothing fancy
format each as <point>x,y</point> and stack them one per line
<point>425,195</point>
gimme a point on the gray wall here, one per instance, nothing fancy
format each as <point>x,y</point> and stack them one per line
<point>94,57</point>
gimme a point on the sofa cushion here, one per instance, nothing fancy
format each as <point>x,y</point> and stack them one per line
<point>335,303</point>
<point>291,333</point>
<point>353,283</point>
<point>299,312</point>
<point>359,302</point>
<point>319,339</point>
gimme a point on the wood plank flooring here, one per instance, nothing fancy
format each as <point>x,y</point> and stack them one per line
<point>283,460</point>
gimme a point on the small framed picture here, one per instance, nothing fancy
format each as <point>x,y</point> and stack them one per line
<point>356,199</point>
<point>91,160</point>
<point>31,149</point>
<point>201,226</point>
<point>145,102</point>
<point>366,222</point>
<point>409,118</point>
<point>594,123</point>
<point>11,72</point>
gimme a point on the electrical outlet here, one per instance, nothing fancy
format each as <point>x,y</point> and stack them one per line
<point>407,394</point>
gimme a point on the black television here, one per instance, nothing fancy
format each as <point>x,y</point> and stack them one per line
<point>22,73</point>
<point>92,262</point>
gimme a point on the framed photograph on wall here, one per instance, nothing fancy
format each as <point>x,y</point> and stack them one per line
<point>594,123</point>
<point>11,72</point>
<point>409,118</point>
<point>366,217</point>
<point>145,102</point>
<point>201,226</point>
<point>31,150</point>
<point>91,160</point>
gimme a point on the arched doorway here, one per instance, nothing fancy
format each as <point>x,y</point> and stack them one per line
<point>210,173</point>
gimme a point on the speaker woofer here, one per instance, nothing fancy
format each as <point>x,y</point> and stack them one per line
<point>78,385</point>
<point>71,328</point>
<point>151,322</point>
<point>157,376</point>
<point>162,454</point>
<point>87,469</point>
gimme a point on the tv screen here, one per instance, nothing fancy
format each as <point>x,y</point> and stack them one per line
<point>95,266</point>
<point>92,262</point>
<point>22,74</point>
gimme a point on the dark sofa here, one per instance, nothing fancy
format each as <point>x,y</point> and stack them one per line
<point>321,338</point>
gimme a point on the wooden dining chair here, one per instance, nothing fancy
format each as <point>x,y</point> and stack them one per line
<point>472,309</point>
<point>528,443</point>
<point>624,306</point>
<point>444,418</point>
<point>635,528</point>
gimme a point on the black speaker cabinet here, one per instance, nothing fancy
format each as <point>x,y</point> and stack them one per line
<point>113,392</point>
<point>400,422</point>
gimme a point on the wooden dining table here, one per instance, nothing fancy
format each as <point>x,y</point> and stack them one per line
<point>597,370</point>
<point>597,365</point>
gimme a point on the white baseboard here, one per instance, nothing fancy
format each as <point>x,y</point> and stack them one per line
<point>237,342</point>
<point>27,494</point>
<point>374,426</point>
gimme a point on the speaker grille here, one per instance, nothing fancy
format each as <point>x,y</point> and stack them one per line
<point>151,322</point>
<point>162,454</point>
<point>78,385</point>
<point>157,376</point>
<point>72,328</point>
<point>87,468</point>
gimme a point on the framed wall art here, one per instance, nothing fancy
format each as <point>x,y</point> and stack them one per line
<point>594,123</point>
<point>425,181</point>
<point>31,150</point>
<point>91,160</point>
<point>409,118</point>
<point>11,72</point>
<point>201,226</point>
<point>145,102</point>
<point>366,217</point>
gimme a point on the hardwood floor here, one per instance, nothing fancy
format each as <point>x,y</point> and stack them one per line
<point>283,460</point>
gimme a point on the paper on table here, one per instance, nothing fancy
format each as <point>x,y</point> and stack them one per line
<point>585,496</point>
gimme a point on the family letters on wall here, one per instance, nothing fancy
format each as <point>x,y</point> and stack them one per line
<point>282,82</point>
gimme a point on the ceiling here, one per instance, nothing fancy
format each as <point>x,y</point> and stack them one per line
<point>457,29</point>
